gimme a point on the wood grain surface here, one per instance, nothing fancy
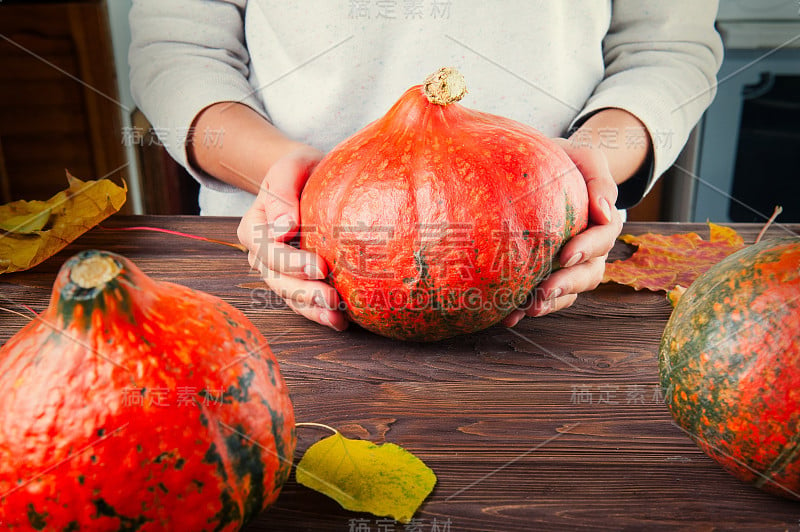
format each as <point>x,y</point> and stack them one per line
<point>555,424</point>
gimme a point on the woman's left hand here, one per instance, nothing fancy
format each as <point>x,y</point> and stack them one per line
<point>583,257</point>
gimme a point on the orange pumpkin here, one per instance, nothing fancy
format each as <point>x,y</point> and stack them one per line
<point>439,220</point>
<point>131,404</point>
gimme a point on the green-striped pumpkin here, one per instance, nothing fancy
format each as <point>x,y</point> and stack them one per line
<point>730,364</point>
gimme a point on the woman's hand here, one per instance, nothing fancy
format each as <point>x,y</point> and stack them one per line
<point>603,166</point>
<point>583,257</point>
<point>296,275</point>
<point>253,147</point>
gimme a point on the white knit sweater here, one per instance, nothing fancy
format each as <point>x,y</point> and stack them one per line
<point>322,69</point>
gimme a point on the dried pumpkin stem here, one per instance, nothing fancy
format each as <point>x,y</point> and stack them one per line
<point>316,425</point>
<point>775,213</point>
<point>445,86</point>
<point>94,271</point>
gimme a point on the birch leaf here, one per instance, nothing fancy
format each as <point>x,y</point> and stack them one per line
<point>33,231</point>
<point>384,480</point>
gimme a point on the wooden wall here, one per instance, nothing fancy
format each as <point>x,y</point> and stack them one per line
<point>58,93</point>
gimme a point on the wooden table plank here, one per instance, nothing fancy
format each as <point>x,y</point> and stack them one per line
<point>555,424</point>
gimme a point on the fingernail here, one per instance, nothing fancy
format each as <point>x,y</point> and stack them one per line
<point>312,272</point>
<point>575,259</point>
<point>544,307</point>
<point>318,301</point>
<point>554,293</point>
<point>325,320</point>
<point>605,208</point>
<point>282,225</point>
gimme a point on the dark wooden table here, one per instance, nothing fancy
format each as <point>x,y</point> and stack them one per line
<point>555,424</point>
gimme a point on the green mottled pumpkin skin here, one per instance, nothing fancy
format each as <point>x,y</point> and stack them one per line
<point>730,364</point>
<point>438,220</point>
<point>139,405</point>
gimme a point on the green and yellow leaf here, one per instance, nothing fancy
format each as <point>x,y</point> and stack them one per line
<point>384,480</point>
<point>33,231</point>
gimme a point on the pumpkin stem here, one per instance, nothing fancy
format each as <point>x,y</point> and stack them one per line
<point>775,213</point>
<point>316,425</point>
<point>94,271</point>
<point>445,86</point>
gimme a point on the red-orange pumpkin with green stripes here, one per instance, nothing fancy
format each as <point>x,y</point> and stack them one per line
<point>132,404</point>
<point>730,364</point>
<point>438,220</point>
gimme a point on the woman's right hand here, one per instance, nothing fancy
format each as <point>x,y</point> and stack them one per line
<point>296,275</point>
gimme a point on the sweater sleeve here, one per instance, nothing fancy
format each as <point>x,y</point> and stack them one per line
<point>661,63</point>
<point>184,56</point>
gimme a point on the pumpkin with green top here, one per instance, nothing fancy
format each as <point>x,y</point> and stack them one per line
<point>132,404</point>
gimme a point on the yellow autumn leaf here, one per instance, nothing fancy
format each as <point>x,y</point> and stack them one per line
<point>384,480</point>
<point>26,223</point>
<point>33,231</point>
